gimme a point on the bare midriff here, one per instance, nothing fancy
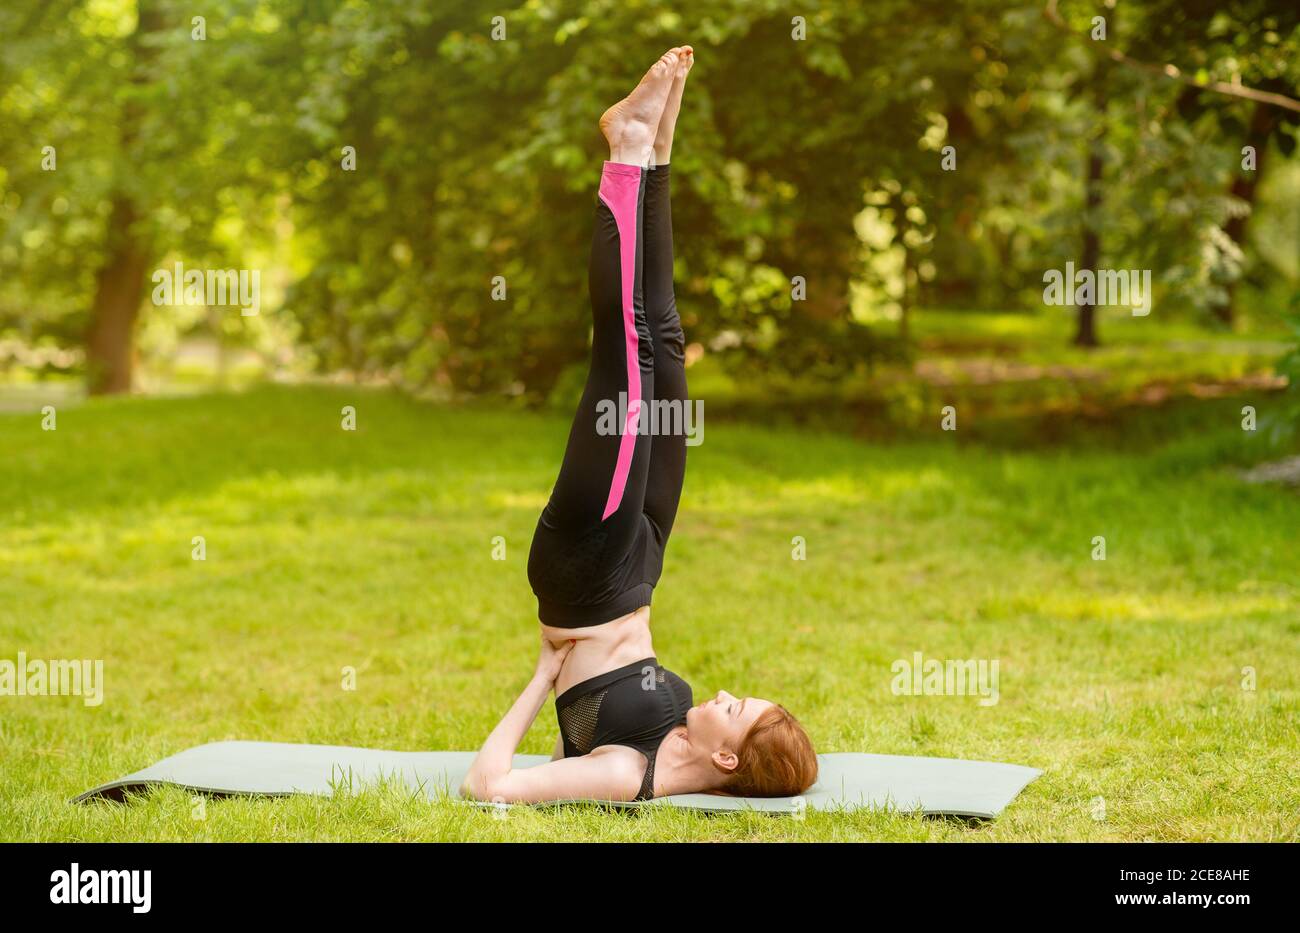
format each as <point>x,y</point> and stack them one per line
<point>598,649</point>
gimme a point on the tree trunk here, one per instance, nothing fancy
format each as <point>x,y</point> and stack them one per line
<point>119,285</point>
<point>905,301</point>
<point>1086,335</point>
<point>1263,120</point>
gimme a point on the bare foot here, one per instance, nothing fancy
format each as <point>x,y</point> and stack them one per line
<point>630,125</point>
<point>663,147</point>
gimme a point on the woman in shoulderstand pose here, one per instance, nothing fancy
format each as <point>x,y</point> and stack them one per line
<point>629,729</point>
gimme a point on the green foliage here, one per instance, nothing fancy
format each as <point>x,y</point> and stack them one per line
<point>1285,425</point>
<point>476,162</point>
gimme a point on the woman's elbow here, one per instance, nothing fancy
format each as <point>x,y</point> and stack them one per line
<point>483,788</point>
<point>474,787</point>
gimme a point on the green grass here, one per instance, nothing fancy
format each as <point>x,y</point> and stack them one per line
<point>327,549</point>
<point>1007,374</point>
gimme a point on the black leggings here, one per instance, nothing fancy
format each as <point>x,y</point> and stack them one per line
<point>598,548</point>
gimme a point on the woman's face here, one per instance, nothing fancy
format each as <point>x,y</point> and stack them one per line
<point>719,725</point>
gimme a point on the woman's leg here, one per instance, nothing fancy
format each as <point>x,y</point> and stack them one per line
<point>667,467</point>
<point>585,562</point>
<point>668,448</point>
<point>604,470</point>
<point>602,479</point>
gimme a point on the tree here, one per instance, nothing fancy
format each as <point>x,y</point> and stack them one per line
<point>1225,57</point>
<point>135,131</point>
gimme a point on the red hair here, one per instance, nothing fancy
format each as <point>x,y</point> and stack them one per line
<point>776,758</point>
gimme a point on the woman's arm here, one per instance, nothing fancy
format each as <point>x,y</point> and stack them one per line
<point>493,762</point>
<point>609,773</point>
<point>606,774</point>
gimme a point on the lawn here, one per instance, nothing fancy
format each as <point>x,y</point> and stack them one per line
<point>326,549</point>
<point>1016,373</point>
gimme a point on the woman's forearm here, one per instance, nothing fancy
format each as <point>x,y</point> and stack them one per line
<point>496,757</point>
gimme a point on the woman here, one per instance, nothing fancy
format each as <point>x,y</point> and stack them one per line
<point>628,729</point>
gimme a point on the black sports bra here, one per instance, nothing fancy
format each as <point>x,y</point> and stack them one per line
<point>635,705</point>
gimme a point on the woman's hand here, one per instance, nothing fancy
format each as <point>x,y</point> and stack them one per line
<point>551,659</point>
<point>492,773</point>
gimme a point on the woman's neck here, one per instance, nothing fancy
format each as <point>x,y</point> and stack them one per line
<point>681,768</point>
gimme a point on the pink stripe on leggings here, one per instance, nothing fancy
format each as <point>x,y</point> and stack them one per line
<point>620,188</point>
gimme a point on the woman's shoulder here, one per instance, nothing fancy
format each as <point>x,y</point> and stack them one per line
<point>624,765</point>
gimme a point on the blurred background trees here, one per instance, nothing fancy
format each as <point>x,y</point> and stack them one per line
<point>415,180</point>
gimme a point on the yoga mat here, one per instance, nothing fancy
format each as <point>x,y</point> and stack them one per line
<point>847,781</point>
